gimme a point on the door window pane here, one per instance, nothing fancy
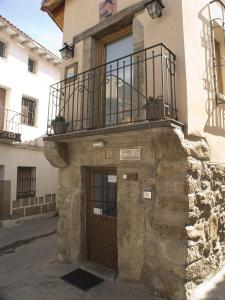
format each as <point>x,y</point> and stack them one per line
<point>118,79</point>
<point>104,195</point>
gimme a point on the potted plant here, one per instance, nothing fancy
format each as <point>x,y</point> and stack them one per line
<point>154,108</point>
<point>59,125</point>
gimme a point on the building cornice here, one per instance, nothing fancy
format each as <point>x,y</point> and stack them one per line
<point>26,41</point>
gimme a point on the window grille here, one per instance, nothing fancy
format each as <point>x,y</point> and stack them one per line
<point>28,111</point>
<point>2,49</point>
<point>31,65</point>
<point>26,182</point>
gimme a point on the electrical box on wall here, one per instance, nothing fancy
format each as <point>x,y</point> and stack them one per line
<point>130,177</point>
<point>147,194</point>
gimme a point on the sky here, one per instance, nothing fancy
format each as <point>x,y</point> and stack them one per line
<point>27,16</point>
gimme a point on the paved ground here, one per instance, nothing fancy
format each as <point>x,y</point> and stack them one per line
<point>29,271</point>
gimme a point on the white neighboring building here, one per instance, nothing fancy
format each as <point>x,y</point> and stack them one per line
<point>27,69</point>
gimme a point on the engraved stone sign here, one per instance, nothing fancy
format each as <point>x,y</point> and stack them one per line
<point>130,154</point>
<point>107,8</point>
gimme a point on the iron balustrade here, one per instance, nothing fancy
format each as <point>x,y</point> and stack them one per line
<point>10,125</point>
<point>135,88</point>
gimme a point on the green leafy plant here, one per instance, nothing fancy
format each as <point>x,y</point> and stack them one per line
<point>152,100</point>
<point>58,119</point>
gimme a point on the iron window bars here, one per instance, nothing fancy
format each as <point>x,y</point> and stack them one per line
<point>26,182</point>
<point>117,93</point>
<point>10,125</point>
<point>2,49</point>
<point>28,111</point>
<point>217,66</point>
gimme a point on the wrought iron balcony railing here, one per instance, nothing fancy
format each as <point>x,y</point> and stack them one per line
<point>10,125</point>
<point>136,88</point>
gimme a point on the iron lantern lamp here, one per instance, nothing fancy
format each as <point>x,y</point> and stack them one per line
<point>67,51</point>
<point>154,8</point>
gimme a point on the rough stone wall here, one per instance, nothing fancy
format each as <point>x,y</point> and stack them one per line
<point>206,222</point>
<point>170,243</point>
<point>31,206</point>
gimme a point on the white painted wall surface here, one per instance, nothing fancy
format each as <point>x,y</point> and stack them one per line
<point>46,175</point>
<point>18,81</point>
<point>15,77</point>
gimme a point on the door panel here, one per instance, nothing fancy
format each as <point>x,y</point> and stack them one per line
<point>102,216</point>
<point>2,107</point>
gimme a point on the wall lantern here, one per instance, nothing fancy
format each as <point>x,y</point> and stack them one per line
<point>154,8</point>
<point>67,51</point>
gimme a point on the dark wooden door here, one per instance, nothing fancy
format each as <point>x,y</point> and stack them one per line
<point>102,217</point>
<point>2,108</point>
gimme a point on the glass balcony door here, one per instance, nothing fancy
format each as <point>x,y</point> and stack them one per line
<point>118,77</point>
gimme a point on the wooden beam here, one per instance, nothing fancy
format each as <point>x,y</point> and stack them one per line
<point>25,42</point>
<point>15,36</point>
<point>34,49</point>
<point>43,54</point>
<point>3,27</point>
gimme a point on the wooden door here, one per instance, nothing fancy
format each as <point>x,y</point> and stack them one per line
<point>2,107</point>
<point>102,217</point>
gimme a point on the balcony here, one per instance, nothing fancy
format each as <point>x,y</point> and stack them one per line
<point>139,88</point>
<point>10,125</point>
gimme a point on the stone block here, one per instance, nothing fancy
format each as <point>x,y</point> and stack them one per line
<point>34,210</point>
<point>16,203</point>
<point>32,201</point>
<point>195,232</point>
<point>18,213</point>
<point>213,225</point>
<point>56,154</point>
<point>44,208</point>
<point>199,269</point>
<point>48,198</point>
<point>25,202</point>
<point>52,206</point>
<point>41,200</point>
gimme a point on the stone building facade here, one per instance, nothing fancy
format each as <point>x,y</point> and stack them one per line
<point>165,174</point>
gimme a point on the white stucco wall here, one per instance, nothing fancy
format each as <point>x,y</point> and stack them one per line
<point>18,82</point>
<point>13,157</point>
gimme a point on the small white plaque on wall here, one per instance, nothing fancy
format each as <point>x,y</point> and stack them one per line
<point>147,195</point>
<point>112,178</point>
<point>97,211</point>
<point>130,154</point>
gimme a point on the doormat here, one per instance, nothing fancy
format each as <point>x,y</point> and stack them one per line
<point>82,279</point>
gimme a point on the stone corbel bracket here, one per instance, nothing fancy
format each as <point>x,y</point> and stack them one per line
<point>56,153</point>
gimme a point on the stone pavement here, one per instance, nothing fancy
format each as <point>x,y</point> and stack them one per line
<point>29,271</point>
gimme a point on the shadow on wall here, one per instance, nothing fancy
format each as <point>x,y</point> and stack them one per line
<point>215,113</point>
